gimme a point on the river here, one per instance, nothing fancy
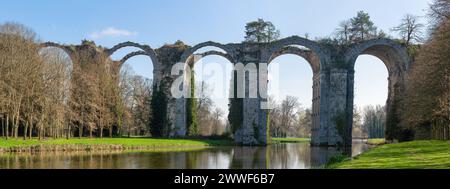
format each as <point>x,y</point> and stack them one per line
<point>277,156</point>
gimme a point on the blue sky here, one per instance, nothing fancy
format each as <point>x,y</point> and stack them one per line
<point>156,22</point>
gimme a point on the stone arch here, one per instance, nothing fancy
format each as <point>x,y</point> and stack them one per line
<point>131,55</point>
<point>397,61</point>
<point>284,46</point>
<point>188,55</point>
<point>319,58</point>
<point>310,57</point>
<point>217,53</point>
<point>145,50</point>
<point>393,54</point>
<point>69,51</point>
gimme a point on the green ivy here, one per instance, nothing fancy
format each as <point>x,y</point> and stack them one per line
<point>256,131</point>
<point>236,115</point>
<point>159,121</point>
<point>341,123</point>
<point>269,138</point>
<point>191,110</point>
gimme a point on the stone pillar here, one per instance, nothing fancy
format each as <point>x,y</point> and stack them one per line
<point>177,112</point>
<point>338,131</point>
<point>254,126</point>
<point>318,129</point>
<point>348,137</point>
<point>180,118</point>
<point>396,90</point>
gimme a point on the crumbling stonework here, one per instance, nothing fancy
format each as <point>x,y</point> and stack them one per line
<point>333,82</point>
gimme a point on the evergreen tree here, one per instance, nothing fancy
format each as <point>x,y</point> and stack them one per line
<point>261,31</point>
<point>362,28</point>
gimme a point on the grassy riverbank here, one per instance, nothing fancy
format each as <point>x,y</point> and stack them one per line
<point>290,140</point>
<point>85,144</point>
<point>408,155</point>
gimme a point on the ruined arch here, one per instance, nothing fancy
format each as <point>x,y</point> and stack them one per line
<point>397,61</point>
<point>309,56</point>
<point>188,55</point>
<point>131,55</point>
<point>319,58</point>
<point>212,53</point>
<point>145,50</point>
<point>284,46</point>
<point>69,51</point>
<point>393,54</point>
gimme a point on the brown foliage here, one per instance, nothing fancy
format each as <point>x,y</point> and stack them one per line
<point>428,85</point>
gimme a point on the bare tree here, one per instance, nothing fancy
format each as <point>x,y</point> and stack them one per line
<point>343,32</point>
<point>410,29</point>
<point>439,12</point>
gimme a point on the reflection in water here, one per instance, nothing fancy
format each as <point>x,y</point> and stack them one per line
<point>279,156</point>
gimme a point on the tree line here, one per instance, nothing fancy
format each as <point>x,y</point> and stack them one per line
<point>369,122</point>
<point>33,92</point>
<point>44,94</point>
<point>289,119</point>
<point>426,105</point>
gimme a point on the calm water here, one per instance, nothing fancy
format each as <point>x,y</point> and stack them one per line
<point>280,156</point>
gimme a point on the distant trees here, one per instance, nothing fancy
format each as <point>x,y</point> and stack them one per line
<point>261,31</point>
<point>288,119</point>
<point>304,123</point>
<point>374,121</point>
<point>370,122</point>
<point>209,117</point>
<point>358,131</point>
<point>137,94</point>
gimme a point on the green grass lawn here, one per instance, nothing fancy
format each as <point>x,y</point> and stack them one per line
<point>376,141</point>
<point>408,155</point>
<point>122,142</point>
<point>290,140</point>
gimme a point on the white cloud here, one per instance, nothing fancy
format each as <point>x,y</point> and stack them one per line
<point>111,32</point>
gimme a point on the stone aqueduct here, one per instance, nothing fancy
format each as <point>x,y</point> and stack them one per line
<point>333,82</point>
